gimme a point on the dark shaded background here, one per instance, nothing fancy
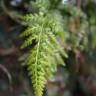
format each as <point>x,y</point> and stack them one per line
<point>14,80</point>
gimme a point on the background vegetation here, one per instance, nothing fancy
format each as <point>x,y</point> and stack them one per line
<point>74,30</point>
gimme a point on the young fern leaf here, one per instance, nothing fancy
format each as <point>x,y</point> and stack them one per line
<point>43,58</point>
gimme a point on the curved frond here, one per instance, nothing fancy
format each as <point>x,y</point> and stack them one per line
<point>43,58</point>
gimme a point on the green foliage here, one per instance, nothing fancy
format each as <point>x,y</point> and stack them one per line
<point>43,58</point>
<point>49,20</point>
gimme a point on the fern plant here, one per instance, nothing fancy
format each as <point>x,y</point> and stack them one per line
<point>50,19</point>
<point>43,58</point>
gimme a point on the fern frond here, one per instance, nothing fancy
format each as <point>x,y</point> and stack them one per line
<point>43,58</point>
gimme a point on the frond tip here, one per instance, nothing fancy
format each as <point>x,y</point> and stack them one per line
<point>43,58</point>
